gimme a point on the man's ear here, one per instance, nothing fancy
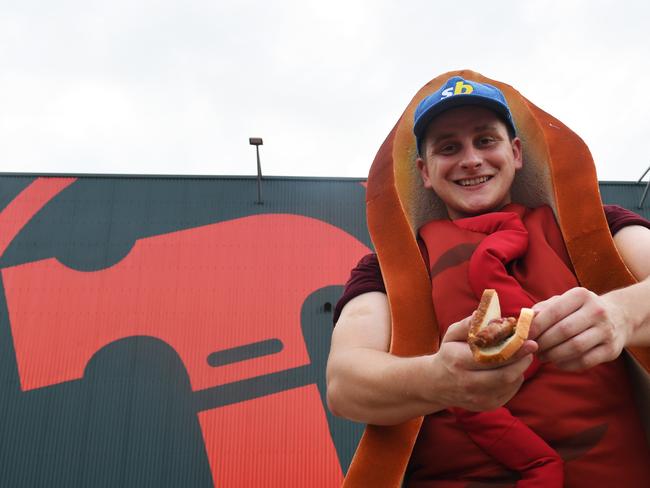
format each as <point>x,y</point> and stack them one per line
<point>424,172</point>
<point>517,153</point>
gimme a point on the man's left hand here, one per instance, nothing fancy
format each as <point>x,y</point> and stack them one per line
<point>579,329</point>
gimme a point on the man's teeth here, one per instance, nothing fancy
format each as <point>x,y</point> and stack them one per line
<point>473,181</point>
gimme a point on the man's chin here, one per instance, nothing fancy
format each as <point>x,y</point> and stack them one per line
<point>473,210</point>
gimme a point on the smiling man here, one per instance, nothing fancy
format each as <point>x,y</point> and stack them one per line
<point>576,383</point>
<point>469,159</point>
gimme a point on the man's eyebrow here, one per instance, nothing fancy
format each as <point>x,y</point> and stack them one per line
<point>484,127</point>
<point>442,137</point>
<point>478,128</point>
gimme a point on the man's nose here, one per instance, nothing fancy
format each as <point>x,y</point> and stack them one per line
<point>471,159</point>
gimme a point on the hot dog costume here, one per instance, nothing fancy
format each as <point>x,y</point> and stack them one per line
<point>558,171</point>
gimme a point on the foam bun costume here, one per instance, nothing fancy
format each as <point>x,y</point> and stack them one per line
<point>558,171</point>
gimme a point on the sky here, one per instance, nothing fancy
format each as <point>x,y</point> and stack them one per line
<point>178,87</point>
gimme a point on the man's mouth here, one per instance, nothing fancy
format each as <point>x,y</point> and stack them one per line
<point>473,181</point>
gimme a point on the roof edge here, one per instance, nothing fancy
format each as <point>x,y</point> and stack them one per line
<point>185,177</point>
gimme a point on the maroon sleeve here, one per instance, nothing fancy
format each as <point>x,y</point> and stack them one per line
<point>366,277</point>
<point>619,217</point>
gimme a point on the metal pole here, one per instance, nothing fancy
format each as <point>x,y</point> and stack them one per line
<point>259,177</point>
<point>645,192</point>
<point>257,142</point>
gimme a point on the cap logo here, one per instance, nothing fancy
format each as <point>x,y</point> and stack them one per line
<point>459,88</point>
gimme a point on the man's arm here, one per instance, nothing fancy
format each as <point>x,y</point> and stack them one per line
<point>368,384</point>
<point>633,243</point>
<point>578,329</point>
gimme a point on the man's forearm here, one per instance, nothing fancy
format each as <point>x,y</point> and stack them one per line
<point>634,300</point>
<point>632,243</point>
<point>364,381</point>
<point>376,387</point>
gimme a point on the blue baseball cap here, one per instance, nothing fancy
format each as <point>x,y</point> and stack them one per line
<point>457,92</point>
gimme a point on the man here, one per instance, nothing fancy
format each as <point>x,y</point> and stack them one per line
<point>468,155</point>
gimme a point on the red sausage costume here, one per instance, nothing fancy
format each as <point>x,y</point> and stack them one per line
<point>530,245</point>
<point>592,430</point>
<point>500,239</point>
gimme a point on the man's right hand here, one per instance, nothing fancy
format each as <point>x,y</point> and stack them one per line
<point>367,384</point>
<point>466,383</point>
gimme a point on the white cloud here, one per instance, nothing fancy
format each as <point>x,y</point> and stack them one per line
<point>178,87</point>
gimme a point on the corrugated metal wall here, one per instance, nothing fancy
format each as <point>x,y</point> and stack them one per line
<point>626,194</point>
<point>172,332</point>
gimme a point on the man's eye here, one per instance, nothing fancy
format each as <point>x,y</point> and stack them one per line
<point>486,141</point>
<point>447,149</point>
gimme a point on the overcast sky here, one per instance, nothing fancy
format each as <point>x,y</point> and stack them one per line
<point>178,87</point>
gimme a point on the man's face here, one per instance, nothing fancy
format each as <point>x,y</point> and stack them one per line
<point>469,160</point>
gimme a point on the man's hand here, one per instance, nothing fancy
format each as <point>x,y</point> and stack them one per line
<point>367,384</point>
<point>465,383</point>
<point>579,329</point>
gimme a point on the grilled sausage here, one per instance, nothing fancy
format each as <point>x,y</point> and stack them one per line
<point>496,331</point>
